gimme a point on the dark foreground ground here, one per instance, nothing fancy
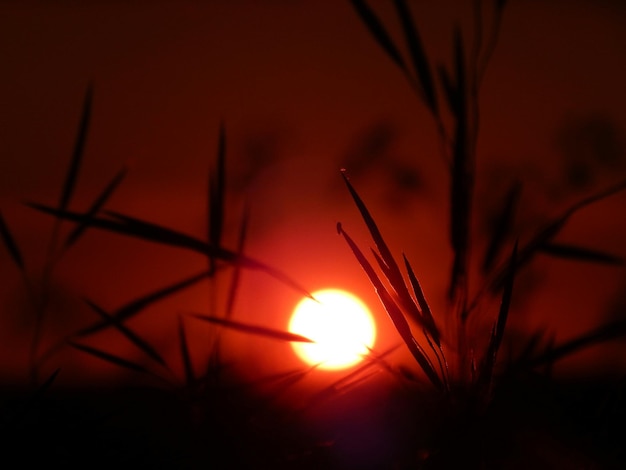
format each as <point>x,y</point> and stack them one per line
<point>536,425</point>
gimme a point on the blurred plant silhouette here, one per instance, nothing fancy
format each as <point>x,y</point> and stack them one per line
<point>462,366</point>
<point>465,396</point>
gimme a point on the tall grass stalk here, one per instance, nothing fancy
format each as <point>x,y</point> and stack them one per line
<point>458,363</point>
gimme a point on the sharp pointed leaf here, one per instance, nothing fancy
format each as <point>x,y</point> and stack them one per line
<point>80,228</point>
<point>148,231</point>
<point>450,89</point>
<point>378,31</point>
<point>389,265</point>
<point>190,376</point>
<point>108,357</point>
<point>79,149</point>
<point>234,285</point>
<point>133,337</point>
<point>500,324</point>
<point>394,312</point>
<point>501,226</point>
<point>254,329</point>
<point>611,331</point>
<point>545,235</point>
<point>136,306</point>
<point>418,56</point>
<point>579,253</point>
<point>217,188</point>
<point>10,244</point>
<point>427,317</point>
<point>349,380</point>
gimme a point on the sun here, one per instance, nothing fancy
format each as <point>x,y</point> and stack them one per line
<point>341,326</point>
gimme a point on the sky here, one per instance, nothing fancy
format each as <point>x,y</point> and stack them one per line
<point>302,90</point>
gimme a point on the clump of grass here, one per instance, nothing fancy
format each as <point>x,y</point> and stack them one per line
<point>462,367</point>
<point>465,371</point>
<point>214,402</point>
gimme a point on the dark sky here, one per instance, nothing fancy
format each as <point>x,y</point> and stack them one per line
<point>303,91</point>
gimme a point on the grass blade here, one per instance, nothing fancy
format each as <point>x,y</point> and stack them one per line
<point>500,324</point>
<point>148,231</point>
<point>389,265</point>
<point>190,376</point>
<point>142,344</point>
<point>369,221</point>
<point>394,312</point>
<point>71,176</point>
<point>185,241</point>
<point>80,228</point>
<point>462,179</point>
<point>544,236</point>
<point>234,285</point>
<point>130,226</point>
<point>79,149</point>
<point>138,305</point>
<point>427,316</point>
<point>501,226</point>
<point>610,331</point>
<point>108,357</point>
<point>418,56</point>
<point>348,381</point>
<point>253,329</point>
<point>216,197</point>
<point>578,253</point>
<point>378,31</point>
<point>11,244</point>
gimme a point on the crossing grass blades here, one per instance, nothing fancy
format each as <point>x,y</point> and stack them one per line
<point>466,381</point>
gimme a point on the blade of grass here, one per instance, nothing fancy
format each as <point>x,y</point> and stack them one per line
<point>110,358</point>
<point>234,285</point>
<point>391,270</point>
<point>73,169</point>
<point>10,244</point>
<point>148,231</point>
<point>253,329</point>
<point>450,89</point>
<point>531,345</point>
<point>418,56</point>
<point>431,330</point>
<point>499,327</point>
<point>80,228</point>
<point>462,181</point>
<point>394,312</point>
<point>380,34</point>
<point>490,47</point>
<point>380,361</point>
<point>190,375</point>
<point>608,332</point>
<point>502,226</point>
<point>216,197</point>
<point>400,289</point>
<point>579,253</point>
<point>348,381</point>
<point>427,316</point>
<point>389,265</point>
<point>133,337</point>
<point>79,150</point>
<point>547,233</point>
<point>136,306</point>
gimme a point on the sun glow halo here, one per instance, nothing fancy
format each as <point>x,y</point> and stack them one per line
<point>341,326</point>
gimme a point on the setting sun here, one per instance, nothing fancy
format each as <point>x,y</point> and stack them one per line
<point>341,326</point>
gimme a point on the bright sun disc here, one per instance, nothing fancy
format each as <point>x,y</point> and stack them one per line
<point>341,326</point>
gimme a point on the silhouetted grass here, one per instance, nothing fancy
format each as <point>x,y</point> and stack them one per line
<point>469,372</point>
<point>468,402</point>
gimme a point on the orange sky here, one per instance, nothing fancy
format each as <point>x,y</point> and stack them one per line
<point>299,85</point>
